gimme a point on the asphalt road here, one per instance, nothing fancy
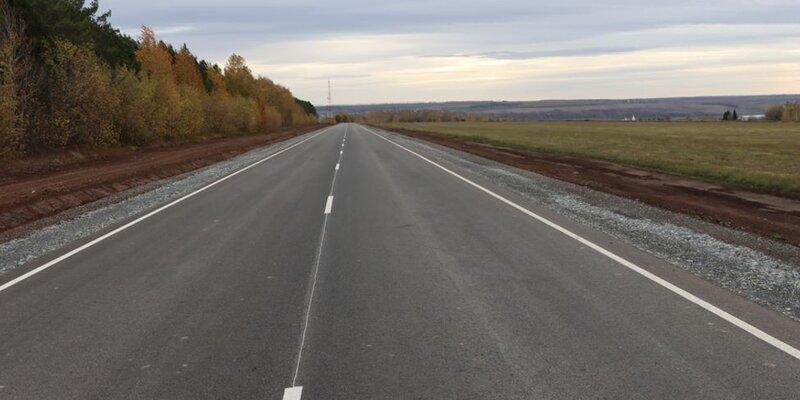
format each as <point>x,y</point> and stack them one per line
<point>410,282</point>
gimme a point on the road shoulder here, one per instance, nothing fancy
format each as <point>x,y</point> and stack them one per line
<point>771,216</point>
<point>763,271</point>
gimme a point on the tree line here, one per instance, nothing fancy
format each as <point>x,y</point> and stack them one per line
<point>383,117</point>
<point>789,112</point>
<point>68,78</point>
<point>730,116</point>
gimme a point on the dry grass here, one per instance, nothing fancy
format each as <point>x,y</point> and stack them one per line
<point>753,155</point>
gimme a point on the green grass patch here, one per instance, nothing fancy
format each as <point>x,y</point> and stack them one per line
<point>752,155</point>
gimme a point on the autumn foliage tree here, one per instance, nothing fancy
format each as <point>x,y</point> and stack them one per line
<point>80,102</point>
<point>67,78</point>
<point>15,80</point>
<point>186,70</point>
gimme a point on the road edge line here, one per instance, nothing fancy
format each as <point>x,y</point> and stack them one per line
<point>146,216</point>
<point>758,333</point>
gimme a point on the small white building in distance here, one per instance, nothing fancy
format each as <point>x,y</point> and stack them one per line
<point>631,119</point>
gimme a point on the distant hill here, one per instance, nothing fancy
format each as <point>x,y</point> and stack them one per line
<point>675,108</point>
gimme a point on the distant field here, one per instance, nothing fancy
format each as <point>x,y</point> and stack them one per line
<point>757,155</point>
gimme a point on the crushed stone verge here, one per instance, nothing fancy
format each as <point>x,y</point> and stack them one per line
<point>763,270</point>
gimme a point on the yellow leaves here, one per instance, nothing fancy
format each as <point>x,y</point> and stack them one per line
<point>217,81</point>
<point>191,120</point>
<point>238,78</point>
<point>133,114</point>
<point>82,101</point>
<point>15,70</point>
<point>186,72</point>
<point>154,59</point>
<point>270,118</point>
<point>147,38</point>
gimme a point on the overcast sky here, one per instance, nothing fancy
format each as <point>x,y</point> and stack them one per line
<point>401,51</point>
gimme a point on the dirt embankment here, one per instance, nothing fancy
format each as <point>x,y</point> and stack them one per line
<point>34,189</point>
<point>768,215</point>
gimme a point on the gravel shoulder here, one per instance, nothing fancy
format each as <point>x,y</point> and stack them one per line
<point>763,270</point>
<point>762,213</point>
<point>46,186</point>
<point>52,233</point>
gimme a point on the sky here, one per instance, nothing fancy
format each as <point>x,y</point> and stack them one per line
<point>408,51</point>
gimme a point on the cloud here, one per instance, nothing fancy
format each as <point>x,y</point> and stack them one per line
<point>526,55</point>
<point>469,49</point>
<point>338,77</point>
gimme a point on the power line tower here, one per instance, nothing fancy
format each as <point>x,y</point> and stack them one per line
<point>330,110</point>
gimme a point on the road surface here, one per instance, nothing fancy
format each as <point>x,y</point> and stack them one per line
<point>348,267</point>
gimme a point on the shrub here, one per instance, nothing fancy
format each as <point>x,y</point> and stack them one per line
<point>80,102</point>
<point>270,118</point>
<point>791,112</point>
<point>774,113</point>
<point>15,81</point>
<point>244,115</point>
<point>191,122</point>
<point>132,118</point>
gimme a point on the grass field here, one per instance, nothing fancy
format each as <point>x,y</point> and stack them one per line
<point>755,155</point>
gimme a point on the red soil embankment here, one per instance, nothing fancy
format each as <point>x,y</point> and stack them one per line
<point>761,213</point>
<point>42,187</point>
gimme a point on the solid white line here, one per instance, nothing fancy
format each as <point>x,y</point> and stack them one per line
<point>144,217</point>
<point>293,393</point>
<point>647,274</point>
<point>329,205</point>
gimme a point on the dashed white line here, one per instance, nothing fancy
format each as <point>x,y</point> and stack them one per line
<point>777,343</point>
<point>144,217</point>
<point>293,393</point>
<point>317,260</point>
<point>329,205</point>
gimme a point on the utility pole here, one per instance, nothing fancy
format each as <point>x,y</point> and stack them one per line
<point>330,111</point>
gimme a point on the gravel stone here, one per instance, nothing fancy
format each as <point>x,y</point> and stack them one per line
<point>763,270</point>
<point>92,218</point>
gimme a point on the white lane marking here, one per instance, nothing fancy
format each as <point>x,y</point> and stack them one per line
<point>341,152</point>
<point>777,343</point>
<point>317,261</point>
<point>144,217</point>
<point>329,205</point>
<point>293,393</point>
<point>337,166</point>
